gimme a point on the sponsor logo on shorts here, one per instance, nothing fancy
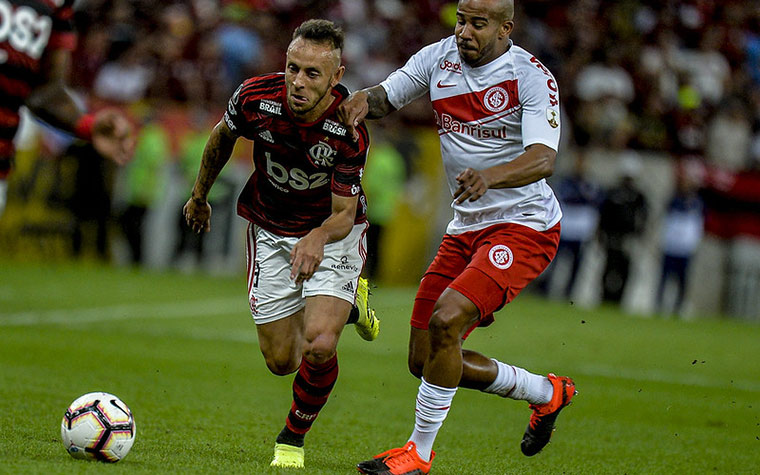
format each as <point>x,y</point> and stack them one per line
<point>345,265</point>
<point>501,256</point>
<point>349,287</point>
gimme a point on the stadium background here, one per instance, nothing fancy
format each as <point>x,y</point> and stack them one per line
<point>669,86</point>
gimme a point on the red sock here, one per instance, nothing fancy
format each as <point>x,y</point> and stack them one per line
<point>311,388</point>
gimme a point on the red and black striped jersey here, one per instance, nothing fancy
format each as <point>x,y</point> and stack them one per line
<point>28,28</point>
<point>297,166</point>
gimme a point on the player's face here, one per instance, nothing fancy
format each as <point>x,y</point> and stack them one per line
<point>480,31</point>
<point>311,71</point>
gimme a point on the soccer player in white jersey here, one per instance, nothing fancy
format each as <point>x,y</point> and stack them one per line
<point>497,109</point>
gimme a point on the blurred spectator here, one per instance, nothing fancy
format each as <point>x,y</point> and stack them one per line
<point>91,200</point>
<point>682,229</point>
<point>622,218</point>
<point>238,42</point>
<point>143,184</point>
<point>580,199</point>
<point>729,135</point>
<point>383,183</point>
<point>124,78</point>
<point>605,90</point>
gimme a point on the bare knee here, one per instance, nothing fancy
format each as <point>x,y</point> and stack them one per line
<point>453,315</point>
<point>282,365</point>
<point>321,349</point>
<point>446,327</point>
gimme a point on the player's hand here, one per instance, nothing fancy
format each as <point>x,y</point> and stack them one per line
<point>113,136</point>
<point>472,185</point>
<point>197,215</point>
<point>352,112</point>
<point>306,256</point>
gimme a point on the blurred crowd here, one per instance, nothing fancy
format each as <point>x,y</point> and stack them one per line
<point>678,78</point>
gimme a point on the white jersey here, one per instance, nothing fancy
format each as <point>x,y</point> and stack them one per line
<point>486,116</point>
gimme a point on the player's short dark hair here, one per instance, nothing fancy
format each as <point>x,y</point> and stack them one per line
<point>321,31</point>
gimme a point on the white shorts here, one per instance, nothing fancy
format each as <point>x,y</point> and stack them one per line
<point>273,295</point>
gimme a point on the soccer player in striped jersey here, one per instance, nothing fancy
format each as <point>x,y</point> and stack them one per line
<point>36,39</point>
<point>306,236</point>
<point>497,109</point>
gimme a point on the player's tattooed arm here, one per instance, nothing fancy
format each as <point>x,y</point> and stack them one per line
<point>379,105</point>
<point>369,103</point>
<point>217,153</point>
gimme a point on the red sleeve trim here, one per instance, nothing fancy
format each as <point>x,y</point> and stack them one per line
<point>66,41</point>
<point>84,126</point>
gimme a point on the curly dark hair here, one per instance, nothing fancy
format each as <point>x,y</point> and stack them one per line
<point>321,31</point>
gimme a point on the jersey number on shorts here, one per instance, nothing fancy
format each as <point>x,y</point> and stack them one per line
<point>256,270</point>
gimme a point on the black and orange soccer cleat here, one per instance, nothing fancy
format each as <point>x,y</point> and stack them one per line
<point>541,425</point>
<point>400,461</point>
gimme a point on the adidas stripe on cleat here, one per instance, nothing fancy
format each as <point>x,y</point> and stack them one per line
<point>541,425</point>
<point>401,461</point>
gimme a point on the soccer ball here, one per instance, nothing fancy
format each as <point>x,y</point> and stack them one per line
<point>98,426</point>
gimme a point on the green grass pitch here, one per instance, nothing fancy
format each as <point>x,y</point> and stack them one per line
<point>655,395</point>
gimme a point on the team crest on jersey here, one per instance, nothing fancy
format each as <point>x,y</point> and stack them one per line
<point>501,256</point>
<point>322,154</point>
<point>552,117</point>
<point>496,99</point>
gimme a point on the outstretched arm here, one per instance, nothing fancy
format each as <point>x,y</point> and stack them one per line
<point>369,103</point>
<point>535,163</point>
<point>217,153</point>
<point>110,132</point>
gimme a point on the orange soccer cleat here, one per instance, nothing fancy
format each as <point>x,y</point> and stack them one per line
<point>541,425</point>
<point>400,461</point>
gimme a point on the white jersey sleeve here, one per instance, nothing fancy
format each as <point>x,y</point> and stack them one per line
<point>413,79</point>
<point>539,96</point>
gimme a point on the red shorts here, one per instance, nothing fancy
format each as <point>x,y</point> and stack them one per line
<point>489,267</point>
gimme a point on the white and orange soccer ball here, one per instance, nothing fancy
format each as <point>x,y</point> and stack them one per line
<point>98,426</point>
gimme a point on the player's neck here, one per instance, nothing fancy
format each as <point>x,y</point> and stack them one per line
<point>318,110</point>
<point>498,51</point>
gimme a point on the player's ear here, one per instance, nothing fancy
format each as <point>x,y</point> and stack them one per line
<point>506,29</point>
<point>338,75</point>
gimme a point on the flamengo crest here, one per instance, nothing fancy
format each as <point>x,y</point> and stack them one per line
<point>322,154</point>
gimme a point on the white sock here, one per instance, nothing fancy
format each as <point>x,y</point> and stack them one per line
<point>517,383</point>
<point>433,403</point>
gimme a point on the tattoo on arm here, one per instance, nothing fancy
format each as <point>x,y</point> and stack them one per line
<point>379,106</point>
<point>216,154</point>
